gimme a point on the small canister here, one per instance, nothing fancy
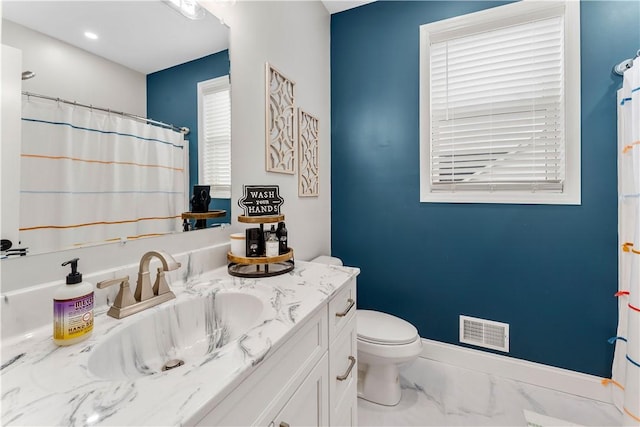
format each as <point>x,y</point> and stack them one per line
<point>238,244</point>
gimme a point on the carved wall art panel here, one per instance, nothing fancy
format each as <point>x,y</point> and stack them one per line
<point>308,155</point>
<point>280,142</point>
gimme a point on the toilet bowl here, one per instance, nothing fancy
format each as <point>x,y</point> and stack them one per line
<point>384,343</point>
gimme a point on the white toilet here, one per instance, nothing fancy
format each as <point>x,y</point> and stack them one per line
<point>385,342</point>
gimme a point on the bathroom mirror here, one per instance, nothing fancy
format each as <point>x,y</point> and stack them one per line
<point>147,37</point>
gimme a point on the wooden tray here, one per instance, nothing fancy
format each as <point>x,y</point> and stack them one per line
<point>260,219</point>
<point>204,215</point>
<point>260,259</point>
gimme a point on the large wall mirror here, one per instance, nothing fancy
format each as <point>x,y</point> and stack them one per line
<point>143,58</point>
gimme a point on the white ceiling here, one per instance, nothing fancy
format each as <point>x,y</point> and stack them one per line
<point>126,35</point>
<point>335,6</point>
<point>125,30</point>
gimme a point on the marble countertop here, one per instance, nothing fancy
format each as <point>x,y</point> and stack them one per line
<point>43,384</point>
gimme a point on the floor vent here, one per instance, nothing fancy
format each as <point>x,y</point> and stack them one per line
<point>484,333</point>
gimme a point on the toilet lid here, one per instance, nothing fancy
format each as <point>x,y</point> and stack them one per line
<point>381,328</point>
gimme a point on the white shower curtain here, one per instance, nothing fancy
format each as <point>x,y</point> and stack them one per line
<point>626,364</point>
<point>89,177</point>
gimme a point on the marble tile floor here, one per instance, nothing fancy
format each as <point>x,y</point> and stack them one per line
<point>438,394</point>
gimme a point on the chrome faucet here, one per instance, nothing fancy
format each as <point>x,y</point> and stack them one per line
<point>145,295</point>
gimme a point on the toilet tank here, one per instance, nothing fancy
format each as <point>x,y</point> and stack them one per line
<point>329,260</point>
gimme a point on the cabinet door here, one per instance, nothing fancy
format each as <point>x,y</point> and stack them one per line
<point>343,377</point>
<point>309,405</point>
<point>346,412</point>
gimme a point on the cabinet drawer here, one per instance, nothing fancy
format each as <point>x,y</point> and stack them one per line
<point>342,308</point>
<point>343,371</point>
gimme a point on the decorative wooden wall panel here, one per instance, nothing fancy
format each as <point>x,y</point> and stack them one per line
<point>307,154</point>
<point>280,142</point>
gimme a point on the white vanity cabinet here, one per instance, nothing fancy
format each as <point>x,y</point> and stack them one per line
<point>309,381</point>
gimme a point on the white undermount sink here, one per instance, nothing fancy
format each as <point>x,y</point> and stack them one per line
<point>189,331</point>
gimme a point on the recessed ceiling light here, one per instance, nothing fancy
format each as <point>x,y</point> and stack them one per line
<point>90,35</point>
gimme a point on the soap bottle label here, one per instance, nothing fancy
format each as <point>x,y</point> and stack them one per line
<point>272,248</point>
<point>72,317</point>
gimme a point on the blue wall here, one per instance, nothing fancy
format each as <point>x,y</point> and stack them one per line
<point>548,271</point>
<point>172,97</point>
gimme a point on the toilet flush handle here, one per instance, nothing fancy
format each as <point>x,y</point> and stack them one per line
<point>351,304</point>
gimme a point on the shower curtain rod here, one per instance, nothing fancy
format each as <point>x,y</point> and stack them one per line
<point>183,130</point>
<point>625,65</point>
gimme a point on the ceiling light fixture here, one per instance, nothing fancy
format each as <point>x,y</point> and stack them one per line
<point>90,35</point>
<point>189,8</point>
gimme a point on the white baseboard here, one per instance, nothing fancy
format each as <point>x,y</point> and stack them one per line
<point>559,379</point>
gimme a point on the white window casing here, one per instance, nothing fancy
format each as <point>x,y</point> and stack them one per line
<point>500,105</point>
<point>214,136</point>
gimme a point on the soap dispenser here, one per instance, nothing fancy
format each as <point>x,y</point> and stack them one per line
<point>73,308</point>
<point>283,238</point>
<point>272,243</point>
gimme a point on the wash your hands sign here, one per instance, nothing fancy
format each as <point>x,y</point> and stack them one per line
<point>261,200</point>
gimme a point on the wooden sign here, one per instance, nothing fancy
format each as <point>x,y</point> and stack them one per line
<point>261,200</point>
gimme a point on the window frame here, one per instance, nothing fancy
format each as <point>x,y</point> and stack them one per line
<point>217,84</point>
<point>489,19</point>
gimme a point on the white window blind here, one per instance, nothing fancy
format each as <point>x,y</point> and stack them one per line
<point>497,109</point>
<point>215,136</point>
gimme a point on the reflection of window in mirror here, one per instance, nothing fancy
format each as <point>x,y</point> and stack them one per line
<point>214,136</point>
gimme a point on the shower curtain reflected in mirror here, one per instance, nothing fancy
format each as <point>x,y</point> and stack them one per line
<point>91,177</point>
<point>626,364</point>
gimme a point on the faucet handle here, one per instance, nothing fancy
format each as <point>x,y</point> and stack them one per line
<point>111,282</point>
<point>160,286</point>
<point>124,297</point>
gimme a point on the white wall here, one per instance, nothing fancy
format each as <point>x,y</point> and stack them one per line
<point>10,147</point>
<point>64,71</point>
<point>294,37</point>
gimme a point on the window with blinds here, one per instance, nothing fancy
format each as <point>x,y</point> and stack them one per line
<point>214,142</point>
<point>497,104</point>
